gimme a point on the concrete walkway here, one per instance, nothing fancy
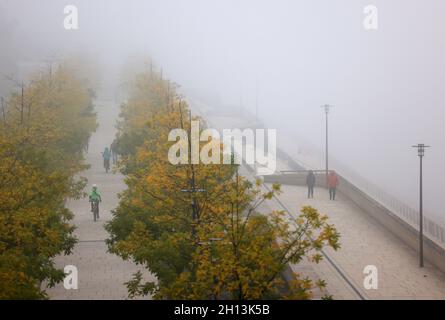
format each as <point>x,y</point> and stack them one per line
<point>101,275</point>
<point>364,242</point>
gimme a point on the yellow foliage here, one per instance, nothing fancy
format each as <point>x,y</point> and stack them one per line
<point>41,141</point>
<point>196,226</point>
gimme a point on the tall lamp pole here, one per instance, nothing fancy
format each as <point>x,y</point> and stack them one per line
<point>327,107</point>
<point>421,152</point>
<point>256,97</point>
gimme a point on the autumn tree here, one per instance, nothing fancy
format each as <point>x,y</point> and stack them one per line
<point>42,134</point>
<point>198,227</point>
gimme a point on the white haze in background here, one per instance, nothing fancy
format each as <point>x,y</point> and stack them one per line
<point>387,85</point>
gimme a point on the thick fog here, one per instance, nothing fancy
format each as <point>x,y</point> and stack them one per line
<point>386,85</point>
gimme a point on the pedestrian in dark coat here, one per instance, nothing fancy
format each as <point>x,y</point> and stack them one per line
<point>310,182</point>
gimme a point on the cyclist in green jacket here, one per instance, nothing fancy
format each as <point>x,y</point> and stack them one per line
<point>94,196</point>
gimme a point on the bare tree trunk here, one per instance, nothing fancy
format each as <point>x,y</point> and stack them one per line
<point>22,105</point>
<point>3,110</point>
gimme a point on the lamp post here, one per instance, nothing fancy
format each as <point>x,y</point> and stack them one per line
<point>421,152</point>
<point>256,97</point>
<point>327,107</point>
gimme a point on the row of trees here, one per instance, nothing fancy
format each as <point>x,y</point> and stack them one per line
<point>197,227</point>
<point>44,127</point>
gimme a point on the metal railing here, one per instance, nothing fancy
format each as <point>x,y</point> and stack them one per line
<point>432,229</point>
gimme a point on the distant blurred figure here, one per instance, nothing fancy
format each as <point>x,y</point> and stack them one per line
<point>86,145</point>
<point>333,183</point>
<point>106,155</point>
<point>310,182</point>
<point>113,152</point>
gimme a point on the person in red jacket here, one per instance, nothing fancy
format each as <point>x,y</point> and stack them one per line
<point>333,182</point>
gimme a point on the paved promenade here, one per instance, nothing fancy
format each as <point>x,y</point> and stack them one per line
<point>101,275</point>
<point>364,241</point>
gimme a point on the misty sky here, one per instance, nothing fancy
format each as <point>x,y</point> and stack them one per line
<point>387,86</point>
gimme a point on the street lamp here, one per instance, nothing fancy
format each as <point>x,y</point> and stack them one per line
<point>327,107</point>
<point>421,152</point>
<point>256,97</point>
<point>194,204</point>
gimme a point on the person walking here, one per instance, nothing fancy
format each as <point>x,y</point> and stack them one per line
<point>113,152</point>
<point>333,183</point>
<point>310,182</point>
<point>106,156</point>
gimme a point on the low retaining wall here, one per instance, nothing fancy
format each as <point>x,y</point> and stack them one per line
<point>404,231</point>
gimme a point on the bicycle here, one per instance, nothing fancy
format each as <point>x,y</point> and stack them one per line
<point>95,209</point>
